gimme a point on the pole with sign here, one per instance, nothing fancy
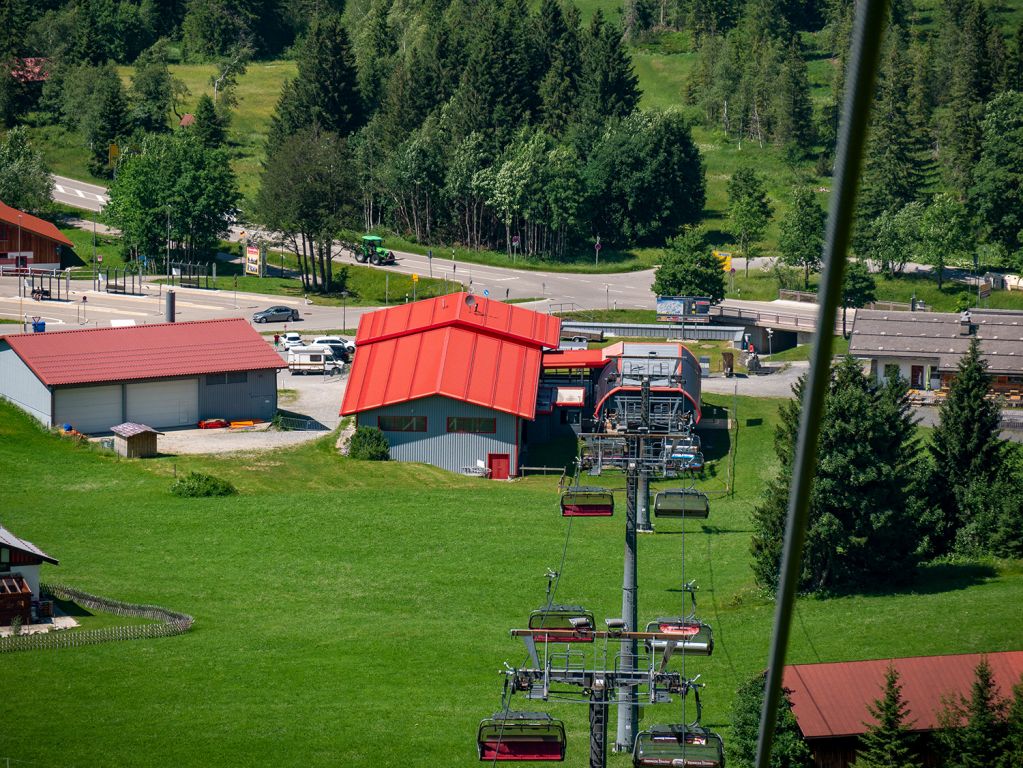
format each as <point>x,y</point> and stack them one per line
<point>429,260</point>
<point>596,251</point>
<point>415,279</point>
<point>515,246</point>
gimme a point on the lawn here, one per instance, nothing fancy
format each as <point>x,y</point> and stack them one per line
<point>352,613</point>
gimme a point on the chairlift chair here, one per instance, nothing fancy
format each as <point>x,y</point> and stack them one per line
<point>689,634</point>
<point>683,746</point>
<point>562,617</point>
<point>587,501</point>
<point>521,736</point>
<point>682,502</point>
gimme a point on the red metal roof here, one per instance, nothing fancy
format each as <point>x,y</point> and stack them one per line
<point>144,351</point>
<point>31,223</point>
<point>831,700</point>
<point>575,358</point>
<point>494,318</point>
<point>488,355</point>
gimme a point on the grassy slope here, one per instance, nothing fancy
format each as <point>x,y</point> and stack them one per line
<point>327,591</point>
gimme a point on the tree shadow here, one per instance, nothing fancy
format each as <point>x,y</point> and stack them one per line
<point>928,579</point>
<point>715,444</point>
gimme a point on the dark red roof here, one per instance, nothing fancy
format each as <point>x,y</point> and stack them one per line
<point>831,700</point>
<point>487,354</point>
<point>144,351</point>
<point>187,119</point>
<point>31,223</point>
<point>575,358</point>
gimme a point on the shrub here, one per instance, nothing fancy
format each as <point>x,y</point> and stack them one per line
<point>369,444</point>
<point>197,484</point>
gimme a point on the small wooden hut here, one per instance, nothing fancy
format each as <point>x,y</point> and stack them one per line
<point>135,441</point>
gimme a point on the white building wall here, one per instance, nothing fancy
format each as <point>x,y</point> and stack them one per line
<point>20,386</point>
<point>905,366</point>
<point>31,575</point>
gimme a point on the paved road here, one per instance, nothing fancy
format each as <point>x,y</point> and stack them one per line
<point>79,194</point>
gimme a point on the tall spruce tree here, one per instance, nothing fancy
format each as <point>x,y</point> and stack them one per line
<point>793,111</point>
<point>209,126</point>
<point>1013,755</point>
<point>802,233</point>
<point>790,750</point>
<point>749,210</point>
<point>997,193</point>
<point>964,447</point>
<point>974,728</point>
<point>610,86</point>
<point>863,507</point>
<point>888,742</point>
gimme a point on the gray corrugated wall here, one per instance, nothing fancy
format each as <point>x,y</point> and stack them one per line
<point>255,398</point>
<point>19,385</point>
<point>437,446</point>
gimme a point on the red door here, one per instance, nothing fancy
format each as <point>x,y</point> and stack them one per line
<point>498,464</point>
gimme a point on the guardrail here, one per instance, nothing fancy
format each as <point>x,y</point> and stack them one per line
<point>658,330</point>
<point>774,319</point>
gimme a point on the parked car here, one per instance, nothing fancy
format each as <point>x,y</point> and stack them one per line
<point>291,339</point>
<point>340,351</point>
<point>314,360</point>
<point>348,344</point>
<point>276,315</point>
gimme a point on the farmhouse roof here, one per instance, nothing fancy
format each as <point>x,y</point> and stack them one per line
<point>879,333</point>
<point>830,700</point>
<point>144,351</point>
<point>470,349</point>
<point>30,223</point>
<point>8,539</point>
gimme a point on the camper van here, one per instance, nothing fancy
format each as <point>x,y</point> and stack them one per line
<point>314,360</point>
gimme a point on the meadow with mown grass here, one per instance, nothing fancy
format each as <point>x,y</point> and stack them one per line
<point>352,613</point>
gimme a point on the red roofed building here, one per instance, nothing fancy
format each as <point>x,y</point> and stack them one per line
<point>165,375</point>
<point>28,241</point>
<point>830,700</point>
<point>451,380</point>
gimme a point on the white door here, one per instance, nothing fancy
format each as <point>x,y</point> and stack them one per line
<point>157,404</point>
<point>88,409</point>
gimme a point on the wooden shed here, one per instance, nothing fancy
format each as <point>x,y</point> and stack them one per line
<point>135,441</point>
<point>15,599</point>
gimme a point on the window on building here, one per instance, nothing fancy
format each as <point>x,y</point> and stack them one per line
<point>237,377</point>
<point>402,423</point>
<point>891,369</point>
<point>476,424</point>
<point>214,379</point>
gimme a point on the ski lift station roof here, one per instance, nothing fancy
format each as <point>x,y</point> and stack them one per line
<point>831,700</point>
<point>459,346</point>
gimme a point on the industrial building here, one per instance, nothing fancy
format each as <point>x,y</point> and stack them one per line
<point>469,384</point>
<point>164,375</point>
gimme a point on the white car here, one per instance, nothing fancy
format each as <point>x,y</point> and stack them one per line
<point>333,341</point>
<point>291,339</point>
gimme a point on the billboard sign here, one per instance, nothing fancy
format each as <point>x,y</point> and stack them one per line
<point>255,260</point>
<point>683,309</point>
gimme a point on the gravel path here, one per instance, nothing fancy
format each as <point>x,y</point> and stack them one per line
<point>776,384</point>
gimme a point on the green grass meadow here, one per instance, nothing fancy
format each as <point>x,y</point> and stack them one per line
<point>352,613</point>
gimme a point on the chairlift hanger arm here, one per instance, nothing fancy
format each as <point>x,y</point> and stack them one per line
<point>597,634</point>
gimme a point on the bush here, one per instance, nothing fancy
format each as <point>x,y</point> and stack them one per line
<point>196,484</point>
<point>369,444</point>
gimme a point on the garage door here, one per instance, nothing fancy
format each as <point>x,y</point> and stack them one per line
<point>88,409</point>
<point>159,404</point>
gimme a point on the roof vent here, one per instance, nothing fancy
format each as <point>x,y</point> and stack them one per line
<point>965,326</point>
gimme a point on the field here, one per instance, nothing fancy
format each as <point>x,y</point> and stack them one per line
<point>356,614</point>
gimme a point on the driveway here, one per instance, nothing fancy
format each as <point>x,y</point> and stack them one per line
<point>776,384</point>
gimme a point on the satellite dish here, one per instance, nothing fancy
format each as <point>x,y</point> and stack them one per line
<point>470,301</point>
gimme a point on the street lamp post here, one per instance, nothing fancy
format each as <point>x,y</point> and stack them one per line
<point>168,244</point>
<point>770,336</point>
<point>21,293</point>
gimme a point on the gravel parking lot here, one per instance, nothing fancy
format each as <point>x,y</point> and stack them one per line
<point>303,397</point>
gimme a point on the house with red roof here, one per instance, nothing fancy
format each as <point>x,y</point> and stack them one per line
<point>164,375</point>
<point>451,381</point>
<point>28,241</point>
<point>830,701</point>
<point>20,562</point>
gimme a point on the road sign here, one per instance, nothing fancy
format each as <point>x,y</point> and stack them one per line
<point>984,291</point>
<point>415,278</point>
<point>486,292</point>
<point>726,260</point>
<point>429,253</point>
<point>99,259</point>
<point>597,245</point>
<point>515,241</point>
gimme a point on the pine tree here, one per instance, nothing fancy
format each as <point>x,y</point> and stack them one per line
<point>997,193</point>
<point>888,742</point>
<point>802,233</point>
<point>1013,755</point>
<point>858,289</point>
<point>793,111</point>
<point>790,750</point>
<point>106,119</point>
<point>610,87</point>
<point>974,729</point>
<point>964,447</point>
<point>208,126</point>
<point>1015,65</point>
<point>749,210</point>
<point>689,268</point>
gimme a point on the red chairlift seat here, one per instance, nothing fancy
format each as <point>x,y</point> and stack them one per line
<point>683,746</point>
<point>521,736</point>
<point>562,617</point>
<point>587,501</point>
<point>692,635</point>
<point>682,502</point>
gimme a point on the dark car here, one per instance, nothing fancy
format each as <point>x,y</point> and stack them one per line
<point>276,315</point>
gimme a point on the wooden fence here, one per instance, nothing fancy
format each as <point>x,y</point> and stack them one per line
<point>169,623</point>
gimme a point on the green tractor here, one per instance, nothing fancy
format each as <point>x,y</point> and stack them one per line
<point>372,250</point>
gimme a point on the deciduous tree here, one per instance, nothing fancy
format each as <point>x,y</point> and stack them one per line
<point>790,751</point>
<point>749,210</point>
<point>944,235</point>
<point>802,233</point>
<point>689,268</point>
<point>25,181</point>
